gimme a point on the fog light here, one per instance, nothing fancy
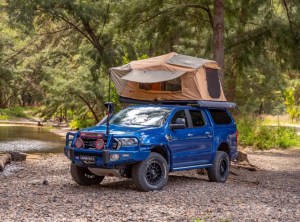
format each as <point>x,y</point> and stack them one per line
<point>114,157</point>
<point>100,144</point>
<point>79,143</point>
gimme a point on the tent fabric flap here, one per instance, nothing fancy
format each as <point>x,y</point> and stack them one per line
<point>188,61</point>
<point>150,76</point>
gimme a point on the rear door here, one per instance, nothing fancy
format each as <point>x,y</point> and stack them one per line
<point>202,136</point>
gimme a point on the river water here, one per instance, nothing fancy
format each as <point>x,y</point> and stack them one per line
<point>29,139</point>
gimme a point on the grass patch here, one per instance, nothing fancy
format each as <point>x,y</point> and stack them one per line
<point>13,113</point>
<point>278,120</point>
<point>252,132</point>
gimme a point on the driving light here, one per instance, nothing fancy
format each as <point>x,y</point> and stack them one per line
<point>79,143</point>
<point>128,141</point>
<point>100,144</point>
<point>114,157</point>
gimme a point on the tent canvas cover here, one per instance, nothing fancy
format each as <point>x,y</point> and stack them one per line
<point>169,77</point>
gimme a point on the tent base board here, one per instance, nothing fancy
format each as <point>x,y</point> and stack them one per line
<point>200,103</point>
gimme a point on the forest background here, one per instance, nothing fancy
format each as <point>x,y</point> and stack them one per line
<point>55,55</point>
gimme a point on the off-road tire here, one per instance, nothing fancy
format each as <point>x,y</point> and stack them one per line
<point>220,170</point>
<point>151,174</point>
<point>83,176</point>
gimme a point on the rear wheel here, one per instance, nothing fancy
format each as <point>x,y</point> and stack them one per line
<point>151,174</point>
<point>83,176</point>
<point>220,170</point>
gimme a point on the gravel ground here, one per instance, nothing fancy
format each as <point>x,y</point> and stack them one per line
<point>41,189</point>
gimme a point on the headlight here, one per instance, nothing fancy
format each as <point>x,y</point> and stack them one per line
<point>128,141</point>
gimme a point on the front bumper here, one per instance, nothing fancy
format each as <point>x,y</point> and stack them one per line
<point>103,158</point>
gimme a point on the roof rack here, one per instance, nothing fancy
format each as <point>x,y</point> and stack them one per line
<point>200,103</point>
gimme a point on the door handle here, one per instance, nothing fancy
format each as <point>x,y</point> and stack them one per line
<point>169,137</point>
<point>190,134</point>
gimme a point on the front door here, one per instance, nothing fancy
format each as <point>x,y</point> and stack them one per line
<point>190,146</point>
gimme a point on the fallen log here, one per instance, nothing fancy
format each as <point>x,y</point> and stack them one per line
<point>4,159</point>
<point>242,156</point>
<point>17,156</point>
<point>243,162</point>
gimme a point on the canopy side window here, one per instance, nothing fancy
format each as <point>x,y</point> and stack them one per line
<point>213,83</point>
<point>173,85</point>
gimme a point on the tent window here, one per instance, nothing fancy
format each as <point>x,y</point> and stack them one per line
<point>173,85</point>
<point>213,83</point>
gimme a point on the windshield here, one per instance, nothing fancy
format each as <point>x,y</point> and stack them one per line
<point>142,116</point>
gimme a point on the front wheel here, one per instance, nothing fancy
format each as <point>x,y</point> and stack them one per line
<point>83,176</point>
<point>220,170</point>
<point>151,174</point>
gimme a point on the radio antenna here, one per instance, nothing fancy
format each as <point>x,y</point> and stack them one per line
<point>109,105</point>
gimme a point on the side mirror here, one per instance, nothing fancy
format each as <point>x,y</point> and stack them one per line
<point>180,124</point>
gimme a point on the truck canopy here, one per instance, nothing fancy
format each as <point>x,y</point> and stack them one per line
<point>169,77</point>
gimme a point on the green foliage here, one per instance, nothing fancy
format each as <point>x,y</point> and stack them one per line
<point>291,107</point>
<point>81,123</point>
<point>56,54</point>
<point>12,113</point>
<point>253,133</point>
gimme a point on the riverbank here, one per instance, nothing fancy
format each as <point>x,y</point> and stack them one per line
<point>41,189</point>
<point>60,130</point>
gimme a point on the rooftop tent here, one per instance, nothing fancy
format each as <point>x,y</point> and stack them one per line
<point>169,77</point>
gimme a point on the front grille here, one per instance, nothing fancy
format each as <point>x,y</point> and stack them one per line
<point>90,143</point>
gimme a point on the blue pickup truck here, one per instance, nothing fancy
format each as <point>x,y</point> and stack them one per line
<point>146,142</point>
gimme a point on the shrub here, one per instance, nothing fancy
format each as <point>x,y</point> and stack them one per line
<point>11,113</point>
<point>287,137</point>
<point>253,133</point>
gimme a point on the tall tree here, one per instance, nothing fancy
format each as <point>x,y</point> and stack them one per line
<point>218,36</point>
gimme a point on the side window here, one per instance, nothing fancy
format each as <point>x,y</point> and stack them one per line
<point>179,114</point>
<point>213,83</point>
<point>173,85</point>
<point>220,116</point>
<point>197,118</point>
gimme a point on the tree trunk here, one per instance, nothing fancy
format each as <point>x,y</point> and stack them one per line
<point>6,158</point>
<point>89,106</point>
<point>236,68</point>
<point>218,36</point>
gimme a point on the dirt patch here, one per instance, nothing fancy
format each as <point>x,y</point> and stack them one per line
<point>44,191</point>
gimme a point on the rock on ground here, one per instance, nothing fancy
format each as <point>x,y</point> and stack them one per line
<point>42,190</point>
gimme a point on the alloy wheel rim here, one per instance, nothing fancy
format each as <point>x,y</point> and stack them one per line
<point>154,173</point>
<point>223,168</point>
